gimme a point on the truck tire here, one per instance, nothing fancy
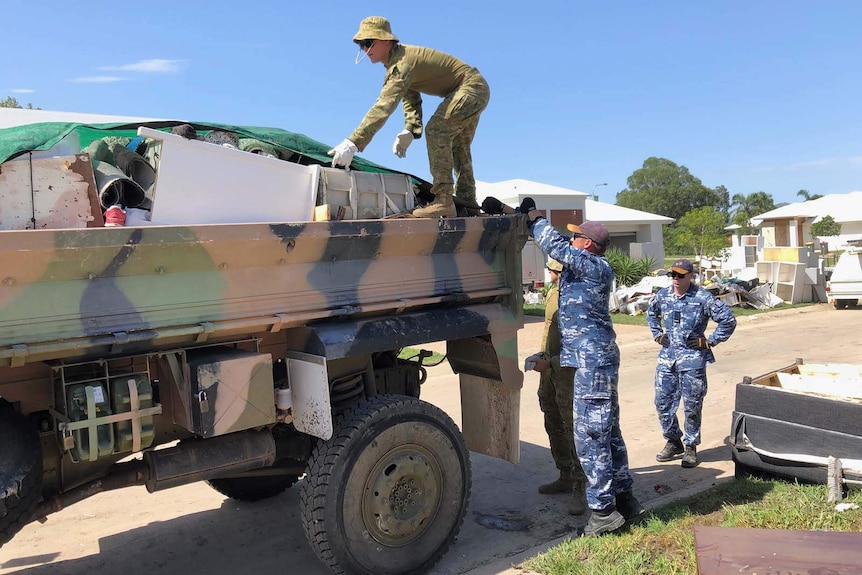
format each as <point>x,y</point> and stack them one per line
<point>251,489</point>
<point>387,493</point>
<point>20,471</point>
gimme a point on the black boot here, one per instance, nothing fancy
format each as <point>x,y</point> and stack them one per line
<point>604,521</point>
<point>672,448</point>
<point>689,458</point>
<point>628,505</point>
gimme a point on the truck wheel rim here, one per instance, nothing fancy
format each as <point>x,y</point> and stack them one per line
<point>402,495</point>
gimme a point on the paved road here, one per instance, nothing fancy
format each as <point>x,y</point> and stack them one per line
<point>193,529</point>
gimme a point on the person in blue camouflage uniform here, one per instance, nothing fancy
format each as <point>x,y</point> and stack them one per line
<point>410,72</point>
<point>588,345</point>
<point>677,316</point>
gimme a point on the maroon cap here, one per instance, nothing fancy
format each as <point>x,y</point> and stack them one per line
<point>595,231</point>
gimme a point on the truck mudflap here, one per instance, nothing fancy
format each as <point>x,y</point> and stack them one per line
<point>481,347</point>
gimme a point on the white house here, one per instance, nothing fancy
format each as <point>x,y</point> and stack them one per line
<point>790,225</point>
<point>635,232</point>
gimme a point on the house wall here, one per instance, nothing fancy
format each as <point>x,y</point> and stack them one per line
<point>795,233</point>
<point>637,239</point>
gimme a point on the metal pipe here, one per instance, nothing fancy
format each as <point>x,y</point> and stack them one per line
<point>227,455</point>
<point>126,475</point>
<point>204,459</point>
<point>115,187</point>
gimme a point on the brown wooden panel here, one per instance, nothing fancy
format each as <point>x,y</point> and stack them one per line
<point>727,550</point>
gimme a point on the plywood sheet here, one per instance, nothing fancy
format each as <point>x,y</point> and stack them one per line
<point>48,193</point>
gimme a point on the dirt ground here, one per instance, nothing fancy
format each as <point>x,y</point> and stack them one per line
<point>194,529</point>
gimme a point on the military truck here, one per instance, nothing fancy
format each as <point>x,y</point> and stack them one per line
<point>256,356</point>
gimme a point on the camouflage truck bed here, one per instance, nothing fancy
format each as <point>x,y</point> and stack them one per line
<point>73,293</point>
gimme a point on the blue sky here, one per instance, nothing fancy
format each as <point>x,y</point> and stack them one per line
<point>760,95</point>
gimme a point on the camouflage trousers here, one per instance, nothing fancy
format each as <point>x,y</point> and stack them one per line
<point>598,438</point>
<point>556,397</point>
<point>670,387</point>
<point>449,135</point>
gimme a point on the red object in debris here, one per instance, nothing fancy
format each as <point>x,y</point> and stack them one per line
<point>115,216</point>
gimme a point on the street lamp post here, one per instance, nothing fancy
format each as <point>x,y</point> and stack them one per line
<point>593,193</point>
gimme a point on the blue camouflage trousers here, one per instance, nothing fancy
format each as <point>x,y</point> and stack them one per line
<point>671,386</point>
<point>598,440</point>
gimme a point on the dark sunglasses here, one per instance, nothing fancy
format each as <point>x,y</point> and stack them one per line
<point>677,275</point>
<point>578,236</point>
<point>366,44</point>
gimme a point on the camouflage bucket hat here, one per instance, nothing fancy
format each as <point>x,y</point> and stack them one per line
<point>554,265</point>
<point>374,28</point>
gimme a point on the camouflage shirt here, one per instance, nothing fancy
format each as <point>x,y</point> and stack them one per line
<point>551,336</point>
<point>586,329</point>
<point>412,70</point>
<point>685,315</point>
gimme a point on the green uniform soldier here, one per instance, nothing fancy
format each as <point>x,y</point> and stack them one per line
<point>556,398</point>
<point>410,72</point>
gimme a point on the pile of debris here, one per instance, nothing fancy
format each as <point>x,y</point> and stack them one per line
<point>183,177</point>
<point>735,292</point>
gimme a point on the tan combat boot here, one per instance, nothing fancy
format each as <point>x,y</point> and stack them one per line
<point>562,485</point>
<point>578,504</point>
<point>441,207</point>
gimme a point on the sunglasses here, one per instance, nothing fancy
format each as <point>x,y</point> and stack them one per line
<point>366,44</point>
<point>579,236</point>
<point>677,275</point>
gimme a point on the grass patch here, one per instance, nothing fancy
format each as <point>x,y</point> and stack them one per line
<point>413,354</point>
<point>534,309</point>
<point>661,542</point>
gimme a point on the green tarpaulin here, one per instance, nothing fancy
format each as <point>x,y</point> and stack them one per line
<point>44,136</point>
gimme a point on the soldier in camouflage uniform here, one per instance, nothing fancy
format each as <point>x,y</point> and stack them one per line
<point>410,72</point>
<point>556,397</point>
<point>589,345</point>
<point>677,317</point>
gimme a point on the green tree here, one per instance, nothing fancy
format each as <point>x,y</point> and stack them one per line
<point>701,232</point>
<point>807,196</point>
<point>827,226</point>
<point>10,102</point>
<point>629,270</point>
<point>662,187</point>
<point>748,206</point>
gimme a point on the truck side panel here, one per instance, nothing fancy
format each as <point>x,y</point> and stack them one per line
<point>75,292</point>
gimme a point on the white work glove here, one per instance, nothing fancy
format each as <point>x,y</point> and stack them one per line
<point>402,142</point>
<point>342,154</point>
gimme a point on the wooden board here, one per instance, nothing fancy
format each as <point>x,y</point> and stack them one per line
<point>831,385</point>
<point>726,551</point>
